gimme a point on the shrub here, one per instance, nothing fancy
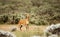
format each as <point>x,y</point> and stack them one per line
<point>17,20</point>
<point>4,19</point>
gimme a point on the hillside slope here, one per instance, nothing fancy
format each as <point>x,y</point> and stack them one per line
<point>41,11</point>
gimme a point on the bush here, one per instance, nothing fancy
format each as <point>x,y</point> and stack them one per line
<point>17,20</point>
<point>4,19</point>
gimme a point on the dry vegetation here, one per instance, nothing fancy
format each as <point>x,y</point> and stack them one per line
<point>33,30</point>
<point>31,27</point>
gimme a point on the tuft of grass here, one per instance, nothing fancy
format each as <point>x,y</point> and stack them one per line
<point>36,31</point>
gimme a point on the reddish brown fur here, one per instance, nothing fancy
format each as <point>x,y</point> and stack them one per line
<point>24,22</point>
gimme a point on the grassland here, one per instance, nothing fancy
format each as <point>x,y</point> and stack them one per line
<point>33,30</point>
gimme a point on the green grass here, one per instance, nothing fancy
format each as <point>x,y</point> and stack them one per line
<point>27,33</point>
<point>21,34</point>
<point>33,30</point>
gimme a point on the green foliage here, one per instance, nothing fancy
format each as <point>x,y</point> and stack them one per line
<point>3,19</point>
<point>42,12</point>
